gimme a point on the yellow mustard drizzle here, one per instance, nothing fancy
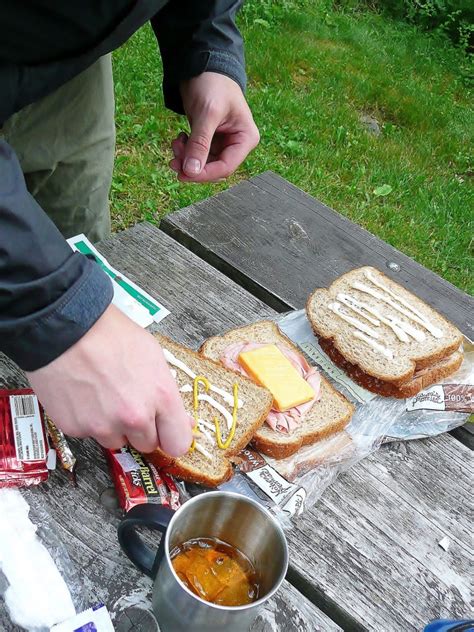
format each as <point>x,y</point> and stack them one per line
<point>226,444</point>
<point>197,380</point>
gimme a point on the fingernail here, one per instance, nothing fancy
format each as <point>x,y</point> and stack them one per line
<point>192,166</point>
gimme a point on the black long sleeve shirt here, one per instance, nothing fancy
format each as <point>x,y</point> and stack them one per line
<point>49,296</point>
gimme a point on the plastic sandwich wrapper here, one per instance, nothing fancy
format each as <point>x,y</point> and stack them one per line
<point>289,485</point>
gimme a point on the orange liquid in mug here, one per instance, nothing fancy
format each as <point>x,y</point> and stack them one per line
<point>216,572</point>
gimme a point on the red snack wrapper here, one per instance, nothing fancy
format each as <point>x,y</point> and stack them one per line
<point>138,481</point>
<point>23,444</point>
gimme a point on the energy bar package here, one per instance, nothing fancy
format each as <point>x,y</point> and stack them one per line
<point>137,481</point>
<point>23,443</point>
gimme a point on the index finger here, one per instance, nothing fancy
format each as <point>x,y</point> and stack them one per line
<point>226,163</point>
<point>172,421</point>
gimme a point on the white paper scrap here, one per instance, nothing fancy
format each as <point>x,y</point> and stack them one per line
<point>128,296</point>
<point>95,619</point>
<point>37,595</point>
<point>444,543</point>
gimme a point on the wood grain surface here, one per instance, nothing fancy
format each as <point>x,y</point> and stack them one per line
<point>80,523</point>
<point>281,244</point>
<point>367,554</point>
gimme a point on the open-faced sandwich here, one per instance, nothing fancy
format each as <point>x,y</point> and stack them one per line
<point>228,409</point>
<point>385,338</point>
<point>306,407</point>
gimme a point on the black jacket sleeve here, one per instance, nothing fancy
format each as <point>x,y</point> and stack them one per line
<point>49,296</point>
<point>197,36</point>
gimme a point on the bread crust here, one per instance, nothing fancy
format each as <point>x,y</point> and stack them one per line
<point>281,451</point>
<point>277,449</point>
<point>417,363</point>
<point>189,473</point>
<point>388,389</point>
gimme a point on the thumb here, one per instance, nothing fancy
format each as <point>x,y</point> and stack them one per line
<point>198,146</point>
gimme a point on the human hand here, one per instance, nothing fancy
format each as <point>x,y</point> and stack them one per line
<point>222,129</point>
<point>114,384</point>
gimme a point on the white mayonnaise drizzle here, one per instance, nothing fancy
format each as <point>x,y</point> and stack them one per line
<point>336,308</point>
<point>353,303</point>
<point>434,331</point>
<point>171,359</point>
<point>203,397</point>
<point>357,307</point>
<point>206,433</point>
<point>206,424</point>
<point>394,323</point>
<point>415,314</point>
<point>202,450</point>
<point>388,353</point>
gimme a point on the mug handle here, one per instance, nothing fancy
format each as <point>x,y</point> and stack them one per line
<point>153,516</point>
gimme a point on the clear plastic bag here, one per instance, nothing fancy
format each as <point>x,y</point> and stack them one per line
<point>287,486</point>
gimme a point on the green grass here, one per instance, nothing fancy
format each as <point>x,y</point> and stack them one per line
<point>312,72</point>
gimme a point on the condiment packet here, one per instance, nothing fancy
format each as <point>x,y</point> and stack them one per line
<point>131,299</point>
<point>137,481</point>
<point>24,445</point>
<point>96,619</point>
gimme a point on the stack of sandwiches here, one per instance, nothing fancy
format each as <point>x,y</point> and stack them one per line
<point>385,338</point>
<point>252,385</point>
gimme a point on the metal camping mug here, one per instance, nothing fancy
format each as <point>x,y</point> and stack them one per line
<point>232,518</point>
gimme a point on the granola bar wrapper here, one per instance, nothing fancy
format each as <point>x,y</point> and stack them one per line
<point>137,481</point>
<point>24,448</point>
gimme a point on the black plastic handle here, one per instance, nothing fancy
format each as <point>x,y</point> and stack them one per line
<point>153,516</point>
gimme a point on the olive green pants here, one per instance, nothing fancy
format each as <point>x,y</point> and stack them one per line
<point>65,144</point>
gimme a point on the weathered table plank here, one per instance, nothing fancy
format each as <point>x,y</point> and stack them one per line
<point>266,223</point>
<point>432,501</point>
<point>290,610</point>
<point>363,606</point>
<point>350,554</point>
<point>375,539</point>
<point>85,518</point>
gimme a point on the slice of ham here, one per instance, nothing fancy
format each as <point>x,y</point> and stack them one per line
<point>289,420</point>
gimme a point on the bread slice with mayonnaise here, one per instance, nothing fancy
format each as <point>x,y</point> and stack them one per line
<point>326,416</point>
<point>207,463</point>
<point>383,336</point>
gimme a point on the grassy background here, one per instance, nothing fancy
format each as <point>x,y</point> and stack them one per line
<point>313,71</point>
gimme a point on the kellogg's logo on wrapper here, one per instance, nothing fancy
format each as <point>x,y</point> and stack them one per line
<point>137,481</point>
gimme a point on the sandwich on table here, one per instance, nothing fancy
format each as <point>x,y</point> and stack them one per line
<point>253,385</point>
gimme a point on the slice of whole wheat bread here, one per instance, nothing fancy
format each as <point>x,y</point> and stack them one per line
<point>256,403</point>
<point>327,416</point>
<point>407,357</point>
<point>420,380</point>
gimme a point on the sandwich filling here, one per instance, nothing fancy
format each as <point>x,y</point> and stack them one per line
<point>281,421</point>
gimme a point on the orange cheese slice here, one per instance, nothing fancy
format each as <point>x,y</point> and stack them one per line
<point>270,368</point>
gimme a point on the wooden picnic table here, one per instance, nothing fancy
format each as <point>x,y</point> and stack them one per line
<point>367,555</point>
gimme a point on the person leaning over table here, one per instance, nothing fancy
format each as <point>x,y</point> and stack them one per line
<point>95,371</point>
